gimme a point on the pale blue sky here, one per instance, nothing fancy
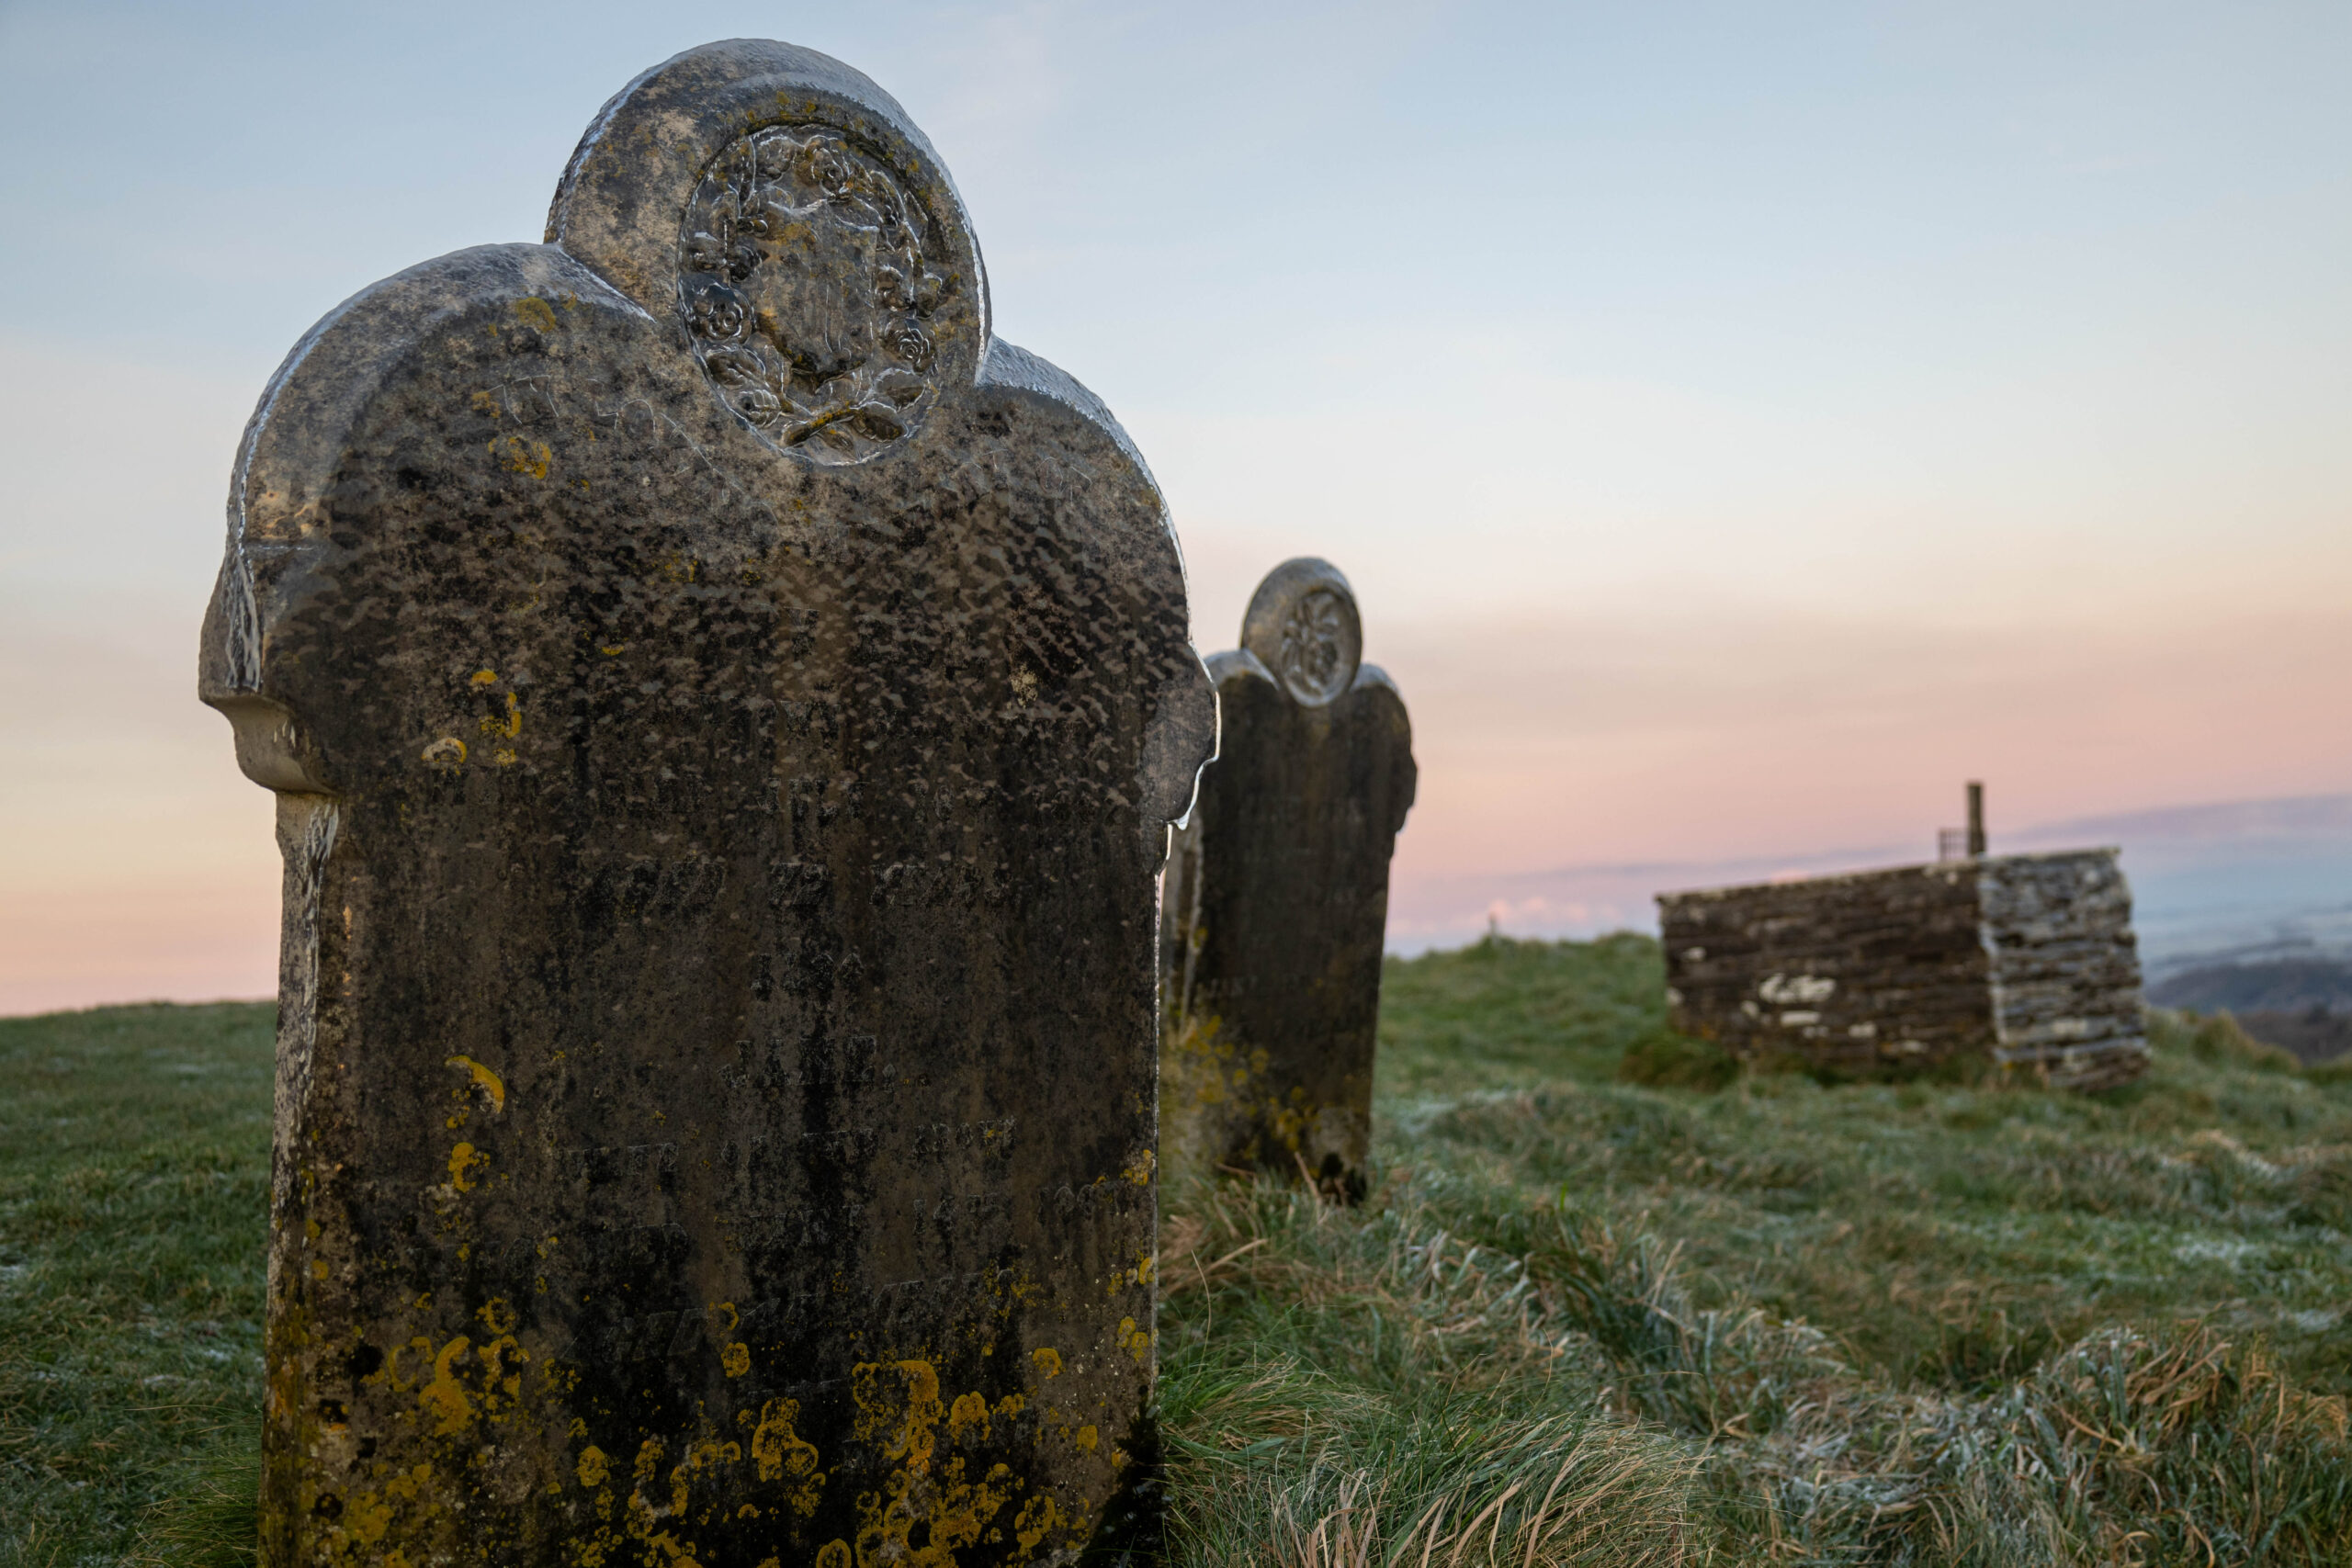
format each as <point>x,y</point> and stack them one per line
<point>1740,422</point>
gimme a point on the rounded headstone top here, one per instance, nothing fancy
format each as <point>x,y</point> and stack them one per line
<point>799,230</point>
<point>1302,625</point>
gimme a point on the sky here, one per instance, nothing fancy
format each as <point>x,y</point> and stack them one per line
<point>1740,424</point>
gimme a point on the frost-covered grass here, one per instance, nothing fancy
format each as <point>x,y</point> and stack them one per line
<point>1772,1321</point>
<point>1611,1302</point>
<point>134,1166</point>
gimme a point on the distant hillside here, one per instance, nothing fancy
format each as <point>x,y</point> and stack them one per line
<point>2286,985</point>
<point>2303,1005</point>
<point>2234,882</point>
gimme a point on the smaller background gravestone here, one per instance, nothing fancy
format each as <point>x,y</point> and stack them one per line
<point>1275,900</point>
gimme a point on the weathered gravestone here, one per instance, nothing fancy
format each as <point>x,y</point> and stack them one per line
<point>725,708</point>
<point>1276,898</point>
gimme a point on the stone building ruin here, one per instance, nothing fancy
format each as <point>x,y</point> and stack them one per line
<point>2028,961</point>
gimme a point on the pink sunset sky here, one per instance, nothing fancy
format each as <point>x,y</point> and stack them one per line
<point>1741,424</point>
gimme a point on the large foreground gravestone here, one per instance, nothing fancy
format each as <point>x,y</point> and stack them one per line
<point>725,708</point>
<point>1276,896</point>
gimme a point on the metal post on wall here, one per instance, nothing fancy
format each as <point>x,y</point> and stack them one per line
<point>1975,819</point>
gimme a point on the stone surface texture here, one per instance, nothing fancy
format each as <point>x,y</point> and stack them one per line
<point>1276,896</point>
<point>2029,960</point>
<point>726,709</point>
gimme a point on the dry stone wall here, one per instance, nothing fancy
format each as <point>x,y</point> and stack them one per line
<point>2027,960</point>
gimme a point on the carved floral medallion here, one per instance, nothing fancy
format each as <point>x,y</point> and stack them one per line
<point>804,284</point>
<point>1318,652</point>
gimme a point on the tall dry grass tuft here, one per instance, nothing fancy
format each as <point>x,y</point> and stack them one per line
<point>1375,1386</point>
<point>1363,1387</point>
<point>1536,1497</point>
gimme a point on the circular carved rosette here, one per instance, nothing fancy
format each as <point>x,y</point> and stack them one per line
<point>807,281</point>
<point>1302,624</point>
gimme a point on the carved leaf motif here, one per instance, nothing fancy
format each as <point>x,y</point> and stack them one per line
<point>805,290</point>
<point>1315,655</point>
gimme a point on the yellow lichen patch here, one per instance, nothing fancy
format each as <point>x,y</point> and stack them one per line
<point>485,403</point>
<point>736,1360</point>
<point>592,1469</point>
<point>898,1403</point>
<point>969,1414</point>
<point>1139,1169</point>
<point>511,726</point>
<point>483,678</point>
<point>832,1554</point>
<point>365,1518</point>
<point>612,650</point>
<point>446,753</point>
<point>488,1082</point>
<point>388,1374</point>
<point>1135,1342</point>
<point>1222,1088</point>
<point>463,1163</point>
<point>951,1512</point>
<point>702,1454</point>
<point>318,1268</point>
<point>536,312</point>
<point>444,1398</point>
<point>1049,1360</point>
<point>517,455</point>
<point>368,1515</point>
<point>498,1315</point>
<point>782,1454</point>
<point>1142,1268</point>
<point>649,1464</point>
<point>1086,1437</point>
<point>1196,1056</point>
<point>1038,1517</point>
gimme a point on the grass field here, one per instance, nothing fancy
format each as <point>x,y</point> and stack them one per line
<point>1611,1302</point>
<point>134,1167</point>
